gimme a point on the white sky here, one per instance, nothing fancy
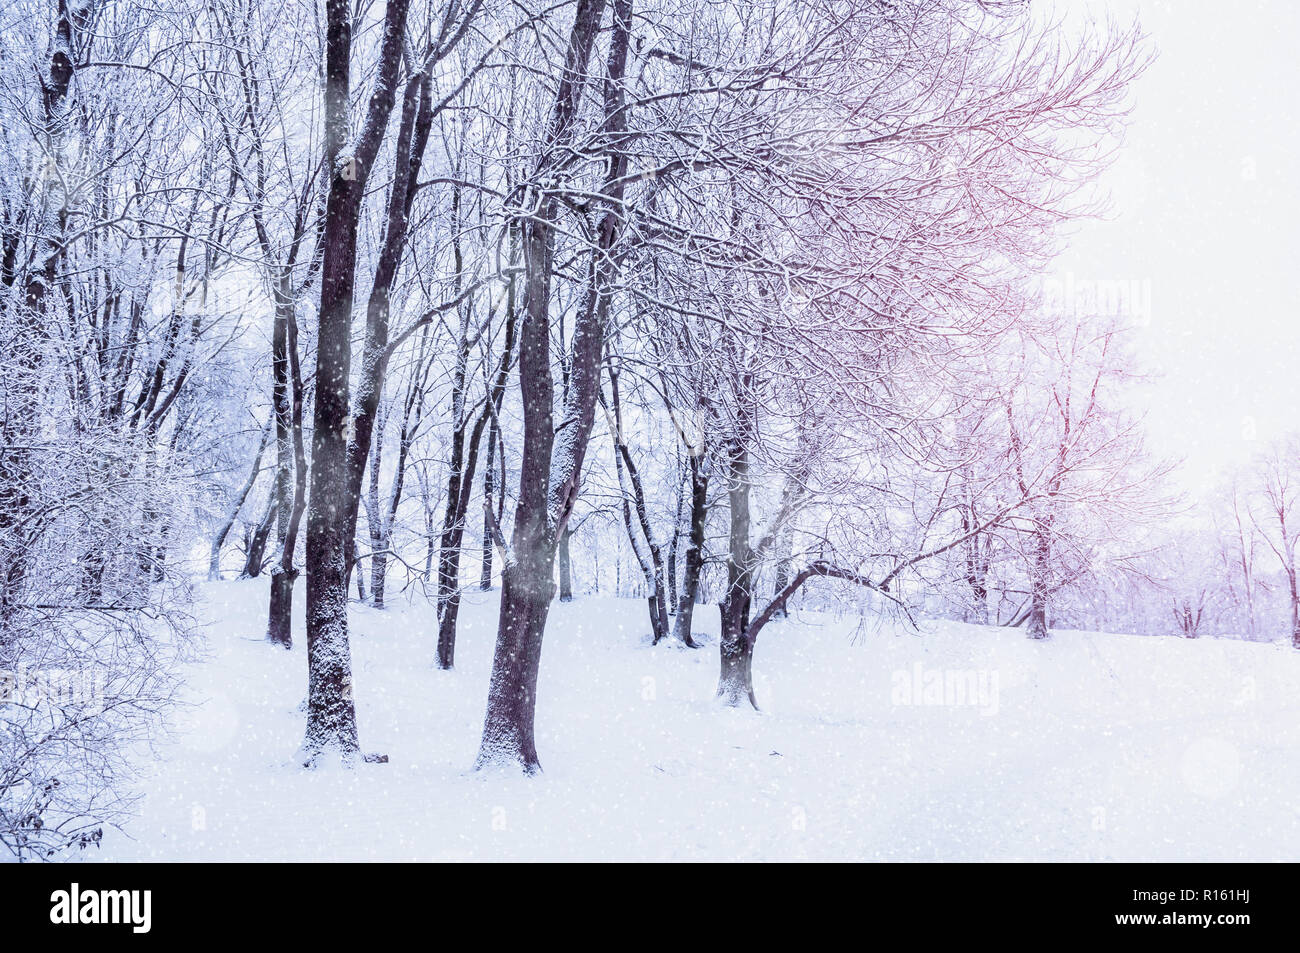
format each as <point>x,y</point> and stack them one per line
<point>1206,209</point>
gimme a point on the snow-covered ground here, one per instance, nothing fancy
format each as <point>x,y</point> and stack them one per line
<point>1088,747</point>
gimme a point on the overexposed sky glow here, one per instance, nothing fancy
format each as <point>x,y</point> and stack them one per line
<point>1206,215</point>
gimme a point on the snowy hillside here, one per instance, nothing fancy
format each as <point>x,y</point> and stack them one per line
<point>1085,747</point>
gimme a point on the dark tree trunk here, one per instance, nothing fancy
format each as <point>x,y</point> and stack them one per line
<point>736,676</point>
<point>282,408</point>
<point>674,544</point>
<point>459,481</point>
<point>736,648</point>
<point>1039,587</point>
<point>546,500</point>
<point>672,574</point>
<point>526,586</point>
<point>512,696</point>
<point>375,521</point>
<point>453,517</point>
<point>448,616</point>
<point>331,713</point>
<point>459,485</point>
<point>489,491</point>
<point>566,567</point>
<point>694,552</point>
<point>291,464</point>
<point>255,558</point>
<point>279,628</point>
<point>657,603</point>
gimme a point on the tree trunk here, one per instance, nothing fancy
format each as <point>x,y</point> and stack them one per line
<point>980,594</point>
<point>566,569</point>
<point>781,578</point>
<point>375,518</point>
<point>255,558</point>
<point>282,408</point>
<point>546,499</point>
<point>1295,604</point>
<point>1039,584</point>
<point>351,559</point>
<point>489,491</point>
<point>512,696</point>
<point>674,544</point>
<point>378,575</point>
<point>279,627</point>
<point>453,518</point>
<point>650,560</point>
<point>670,570</point>
<point>331,713</point>
<point>415,120</point>
<point>449,614</point>
<point>291,463</point>
<point>527,588</point>
<point>460,481</point>
<point>237,504</point>
<point>459,484</point>
<point>735,679</point>
<point>694,552</point>
<point>976,552</point>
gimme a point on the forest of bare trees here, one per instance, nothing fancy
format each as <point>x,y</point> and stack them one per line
<point>700,302</point>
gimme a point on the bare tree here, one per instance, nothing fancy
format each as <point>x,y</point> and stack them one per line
<point>1273,511</point>
<point>549,480</point>
<point>331,714</point>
